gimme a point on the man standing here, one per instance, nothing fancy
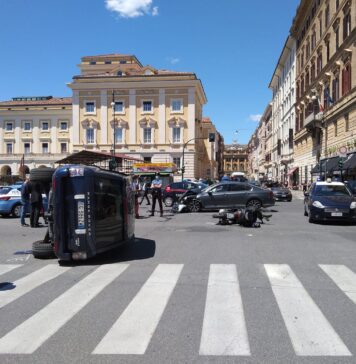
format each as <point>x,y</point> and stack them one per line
<point>25,200</point>
<point>36,204</point>
<point>146,187</point>
<point>156,186</point>
<point>136,189</point>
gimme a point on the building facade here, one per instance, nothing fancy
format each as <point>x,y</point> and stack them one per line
<point>143,112</point>
<point>235,158</point>
<point>325,32</point>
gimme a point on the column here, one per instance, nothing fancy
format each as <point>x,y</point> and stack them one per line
<point>36,147</point>
<point>191,113</point>
<point>54,139</point>
<point>17,136</point>
<point>162,117</point>
<point>104,116</point>
<point>75,110</point>
<point>132,117</point>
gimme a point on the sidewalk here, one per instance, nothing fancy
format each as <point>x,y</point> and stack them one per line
<point>298,194</point>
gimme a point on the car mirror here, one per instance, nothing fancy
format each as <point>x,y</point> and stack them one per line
<point>210,193</point>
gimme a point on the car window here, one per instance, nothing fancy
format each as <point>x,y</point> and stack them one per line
<point>189,185</point>
<point>331,190</point>
<point>177,185</point>
<point>5,190</point>
<point>220,188</point>
<point>238,187</point>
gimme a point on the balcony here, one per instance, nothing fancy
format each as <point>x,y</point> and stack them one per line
<point>313,121</point>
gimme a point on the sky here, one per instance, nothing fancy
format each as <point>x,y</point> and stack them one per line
<point>232,46</point>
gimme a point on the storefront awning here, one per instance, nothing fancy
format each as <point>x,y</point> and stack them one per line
<point>350,162</point>
<point>291,171</point>
<point>332,164</point>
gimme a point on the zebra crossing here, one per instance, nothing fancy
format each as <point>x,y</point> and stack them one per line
<point>223,330</point>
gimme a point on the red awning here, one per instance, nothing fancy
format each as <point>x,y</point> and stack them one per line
<point>291,171</point>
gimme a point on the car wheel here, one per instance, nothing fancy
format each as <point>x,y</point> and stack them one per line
<point>254,203</point>
<point>195,206</point>
<point>16,211</point>
<point>311,219</point>
<point>168,201</point>
<point>41,250</point>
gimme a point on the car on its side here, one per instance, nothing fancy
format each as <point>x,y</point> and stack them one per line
<point>10,200</point>
<point>230,194</point>
<point>174,191</point>
<point>282,193</point>
<point>329,201</point>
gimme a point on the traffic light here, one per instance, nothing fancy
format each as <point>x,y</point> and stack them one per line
<point>183,169</point>
<point>211,137</point>
<point>341,163</point>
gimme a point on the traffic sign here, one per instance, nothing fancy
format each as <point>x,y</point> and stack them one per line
<point>342,152</point>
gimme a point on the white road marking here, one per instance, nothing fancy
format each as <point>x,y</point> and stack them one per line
<point>32,333</point>
<point>224,328</point>
<point>309,330</point>
<point>4,268</point>
<point>30,282</point>
<point>132,332</point>
<point>343,277</point>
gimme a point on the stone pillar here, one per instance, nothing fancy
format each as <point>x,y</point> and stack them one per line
<point>191,113</point>
<point>104,116</point>
<point>53,146</point>
<point>162,117</point>
<point>36,147</point>
<point>75,112</point>
<point>17,136</point>
<point>132,117</point>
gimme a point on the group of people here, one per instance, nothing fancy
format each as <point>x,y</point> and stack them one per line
<point>142,189</point>
<point>31,195</point>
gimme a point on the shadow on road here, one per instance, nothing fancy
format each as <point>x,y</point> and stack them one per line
<point>139,249</point>
<point>6,286</point>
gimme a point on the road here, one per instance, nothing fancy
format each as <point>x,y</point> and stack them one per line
<point>187,291</point>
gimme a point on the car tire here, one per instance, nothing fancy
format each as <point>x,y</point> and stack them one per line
<point>43,175</point>
<point>168,201</point>
<point>254,203</point>
<point>195,206</point>
<point>41,250</point>
<point>311,219</point>
<point>16,211</point>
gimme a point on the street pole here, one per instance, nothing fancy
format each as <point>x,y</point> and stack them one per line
<point>185,144</point>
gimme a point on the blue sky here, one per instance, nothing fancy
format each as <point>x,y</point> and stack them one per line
<point>231,45</point>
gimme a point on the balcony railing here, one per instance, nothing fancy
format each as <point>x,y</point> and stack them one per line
<point>313,120</point>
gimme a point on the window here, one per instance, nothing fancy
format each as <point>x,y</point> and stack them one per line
<point>45,125</point>
<point>27,148</point>
<point>337,4</point>
<point>118,135</point>
<point>63,147</point>
<point>147,137</point>
<point>347,122</point>
<point>27,126</point>
<point>313,40</point>
<point>346,79</point>
<point>327,97</point>
<point>335,128</point>
<point>320,26</point>
<point>45,148</point>
<point>147,159</point>
<point>327,16</point>
<point>147,106</point>
<point>9,126</point>
<point>90,135</point>
<point>9,148</point>
<point>347,24</point>
<point>119,107</point>
<point>319,63</point>
<point>336,88</point>
<point>337,38</point>
<point>176,135</point>
<point>176,161</point>
<point>64,125</point>
<point>327,50</point>
<point>312,71</point>
<point>90,107</point>
<point>177,105</point>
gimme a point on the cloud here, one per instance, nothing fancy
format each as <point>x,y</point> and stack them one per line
<point>173,60</point>
<point>131,8</point>
<point>256,117</point>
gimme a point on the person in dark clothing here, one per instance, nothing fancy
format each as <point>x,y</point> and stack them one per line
<point>25,200</point>
<point>36,204</point>
<point>156,195</point>
<point>146,188</point>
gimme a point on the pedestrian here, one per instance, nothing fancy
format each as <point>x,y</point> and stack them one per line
<point>156,187</point>
<point>145,188</point>
<point>225,178</point>
<point>136,189</point>
<point>36,204</point>
<point>25,200</point>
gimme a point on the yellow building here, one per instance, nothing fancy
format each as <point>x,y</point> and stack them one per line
<point>325,82</point>
<point>235,158</point>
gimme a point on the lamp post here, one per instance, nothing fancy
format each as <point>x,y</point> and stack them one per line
<point>113,161</point>
<point>185,144</point>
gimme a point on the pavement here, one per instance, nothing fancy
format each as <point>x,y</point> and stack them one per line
<point>187,291</point>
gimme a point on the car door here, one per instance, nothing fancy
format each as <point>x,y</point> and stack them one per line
<point>238,194</point>
<point>218,196</point>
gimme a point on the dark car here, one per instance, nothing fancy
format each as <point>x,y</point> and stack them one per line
<point>232,195</point>
<point>351,185</point>
<point>175,190</point>
<point>282,193</point>
<point>329,201</point>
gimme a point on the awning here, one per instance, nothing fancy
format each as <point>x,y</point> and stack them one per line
<point>291,171</point>
<point>332,164</point>
<point>350,162</point>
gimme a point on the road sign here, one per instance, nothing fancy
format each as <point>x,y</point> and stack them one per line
<point>342,152</point>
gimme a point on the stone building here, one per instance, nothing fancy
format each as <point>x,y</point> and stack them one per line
<point>235,158</point>
<point>325,32</point>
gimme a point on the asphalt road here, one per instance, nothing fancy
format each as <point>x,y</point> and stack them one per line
<point>187,291</point>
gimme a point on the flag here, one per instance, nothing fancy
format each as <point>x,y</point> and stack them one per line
<point>321,107</point>
<point>328,97</point>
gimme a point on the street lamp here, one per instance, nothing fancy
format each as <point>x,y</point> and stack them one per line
<point>112,165</point>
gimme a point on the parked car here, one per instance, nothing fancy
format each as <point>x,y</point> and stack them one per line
<point>351,185</point>
<point>282,193</point>
<point>329,201</point>
<point>175,190</point>
<point>10,200</point>
<point>231,195</point>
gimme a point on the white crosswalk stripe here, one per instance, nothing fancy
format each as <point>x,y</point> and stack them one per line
<point>30,282</point>
<point>224,328</point>
<point>5,268</point>
<point>343,277</point>
<point>31,334</point>
<point>132,332</point>
<point>310,332</point>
